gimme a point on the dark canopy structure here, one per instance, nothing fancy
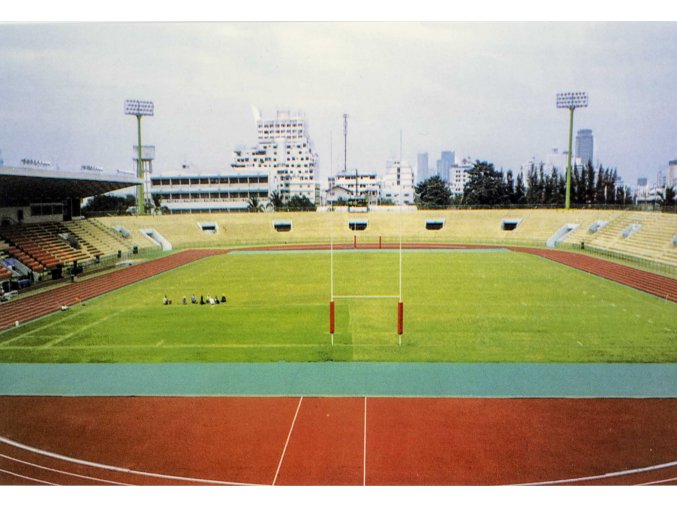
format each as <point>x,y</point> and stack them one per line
<point>21,186</point>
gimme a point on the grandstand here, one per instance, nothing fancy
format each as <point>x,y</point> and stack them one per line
<point>594,230</point>
<point>42,236</point>
<point>41,231</point>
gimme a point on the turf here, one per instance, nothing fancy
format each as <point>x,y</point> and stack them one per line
<point>494,306</point>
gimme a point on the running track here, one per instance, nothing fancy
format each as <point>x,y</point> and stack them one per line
<point>336,441</point>
<point>332,441</point>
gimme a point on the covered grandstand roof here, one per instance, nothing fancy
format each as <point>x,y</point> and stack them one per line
<point>21,186</point>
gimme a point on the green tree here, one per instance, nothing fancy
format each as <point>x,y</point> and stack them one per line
<point>108,204</point>
<point>254,205</point>
<point>433,193</point>
<point>276,200</point>
<point>485,186</point>
<point>520,196</point>
<point>300,203</point>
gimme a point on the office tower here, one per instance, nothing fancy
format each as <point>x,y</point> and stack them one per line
<point>585,146</point>
<point>422,163</point>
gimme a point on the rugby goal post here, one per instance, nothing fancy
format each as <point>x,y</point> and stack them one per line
<point>334,297</point>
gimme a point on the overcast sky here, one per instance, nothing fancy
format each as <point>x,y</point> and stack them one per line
<point>484,90</point>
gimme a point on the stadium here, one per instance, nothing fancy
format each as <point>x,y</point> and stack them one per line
<point>429,347</point>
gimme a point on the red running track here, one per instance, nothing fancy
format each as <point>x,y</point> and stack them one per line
<point>39,305</point>
<point>337,441</point>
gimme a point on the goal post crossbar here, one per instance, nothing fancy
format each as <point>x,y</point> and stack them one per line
<point>368,296</point>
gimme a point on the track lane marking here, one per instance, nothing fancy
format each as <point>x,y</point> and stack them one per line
<point>663,481</point>
<point>87,477</point>
<point>279,465</point>
<point>364,448</point>
<point>602,476</point>
<point>27,478</point>
<point>113,468</point>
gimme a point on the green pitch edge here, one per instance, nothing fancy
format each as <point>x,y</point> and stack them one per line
<point>493,380</point>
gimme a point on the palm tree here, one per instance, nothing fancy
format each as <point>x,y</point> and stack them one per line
<point>254,205</point>
<point>276,200</point>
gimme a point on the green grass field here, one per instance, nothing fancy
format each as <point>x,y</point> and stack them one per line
<point>482,306</point>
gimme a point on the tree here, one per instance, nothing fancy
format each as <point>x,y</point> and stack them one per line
<point>254,205</point>
<point>520,191</point>
<point>433,193</point>
<point>107,204</point>
<point>510,187</point>
<point>276,200</point>
<point>485,185</point>
<point>667,197</point>
<point>300,203</point>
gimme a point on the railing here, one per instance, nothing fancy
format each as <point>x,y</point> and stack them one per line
<point>655,266</point>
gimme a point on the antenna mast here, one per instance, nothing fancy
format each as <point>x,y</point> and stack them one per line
<point>345,142</point>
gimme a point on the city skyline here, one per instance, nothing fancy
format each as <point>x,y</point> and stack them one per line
<point>481,89</point>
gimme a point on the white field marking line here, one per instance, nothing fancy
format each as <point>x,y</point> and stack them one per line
<point>602,476</point>
<point>27,478</point>
<point>80,330</point>
<point>364,449</point>
<point>114,468</point>
<point>657,482</point>
<point>87,477</point>
<point>24,335</point>
<point>284,451</point>
<point>182,346</point>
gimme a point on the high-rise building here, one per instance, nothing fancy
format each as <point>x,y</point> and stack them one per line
<point>447,159</point>
<point>285,152</point>
<point>585,146</point>
<point>422,166</point>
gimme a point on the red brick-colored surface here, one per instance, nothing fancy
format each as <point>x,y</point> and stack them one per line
<point>337,441</point>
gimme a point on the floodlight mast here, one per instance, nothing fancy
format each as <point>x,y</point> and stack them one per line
<point>570,101</point>
<point>140,108</point>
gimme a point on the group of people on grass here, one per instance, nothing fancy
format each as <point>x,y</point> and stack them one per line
<point>209,300</point>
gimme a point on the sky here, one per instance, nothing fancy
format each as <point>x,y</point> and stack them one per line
<point>485,90</point>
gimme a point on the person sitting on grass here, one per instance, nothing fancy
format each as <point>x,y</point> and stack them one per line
<point>223,298</point>
<point>165,301</point>
<point>193,299</point>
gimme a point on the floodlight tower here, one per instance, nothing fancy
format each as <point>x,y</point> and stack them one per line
<point>570,101</point>
<point>140,108</point>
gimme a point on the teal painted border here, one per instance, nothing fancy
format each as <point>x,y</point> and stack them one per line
<point>488,380</point>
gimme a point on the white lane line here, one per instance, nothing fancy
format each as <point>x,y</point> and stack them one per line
<point>96,479</point>
<point>603,476</point>
<point>279,465</point>
<point>115,468</point>
<point>657,482</point>
<point>364,449</point>
<point>27,478</point>
<point>29,333</point>
<point>80,330</point>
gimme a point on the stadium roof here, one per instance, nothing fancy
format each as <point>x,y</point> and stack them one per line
<point>21,186</point>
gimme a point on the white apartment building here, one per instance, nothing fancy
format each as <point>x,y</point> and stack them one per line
<point>353,185</point>
<point>202,193</point>
<point>399,182</point>
<point>458,177</point>
<point>284,152</point>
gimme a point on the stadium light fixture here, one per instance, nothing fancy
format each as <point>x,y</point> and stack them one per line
<point>140,108</point>
<point>570,101</point>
